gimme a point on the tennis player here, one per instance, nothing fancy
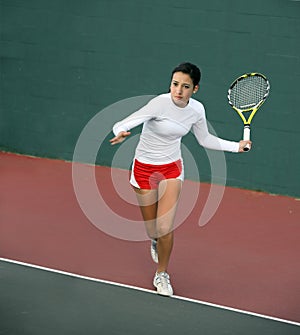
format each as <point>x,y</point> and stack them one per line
<point>157,170</point>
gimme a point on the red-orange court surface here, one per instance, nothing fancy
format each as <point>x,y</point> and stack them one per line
<point>246,257</point>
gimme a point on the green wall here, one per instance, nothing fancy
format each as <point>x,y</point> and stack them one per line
<point>64,61</point>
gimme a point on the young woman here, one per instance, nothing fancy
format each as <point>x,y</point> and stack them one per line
<point>157,170</point>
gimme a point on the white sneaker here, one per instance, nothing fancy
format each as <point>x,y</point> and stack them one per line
<point>162,283</point>
<point>153,251</point>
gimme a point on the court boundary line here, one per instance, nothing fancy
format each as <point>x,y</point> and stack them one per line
<point>136,288</point>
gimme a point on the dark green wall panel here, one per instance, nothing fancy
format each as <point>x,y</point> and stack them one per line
<point>64,61</point>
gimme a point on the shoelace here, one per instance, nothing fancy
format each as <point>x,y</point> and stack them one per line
<point>164,279</point>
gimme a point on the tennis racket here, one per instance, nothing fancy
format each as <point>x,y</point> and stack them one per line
<point>246,95</point>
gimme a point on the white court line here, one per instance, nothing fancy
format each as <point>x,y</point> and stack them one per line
<point>149,291</point>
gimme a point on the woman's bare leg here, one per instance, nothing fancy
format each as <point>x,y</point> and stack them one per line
<point>147,200</point>
<point>168,194</point>
<point>158,209</point>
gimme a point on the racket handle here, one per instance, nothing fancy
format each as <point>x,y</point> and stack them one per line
<point>246,136</point>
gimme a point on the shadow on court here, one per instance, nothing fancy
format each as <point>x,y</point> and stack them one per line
<point>39,302</point>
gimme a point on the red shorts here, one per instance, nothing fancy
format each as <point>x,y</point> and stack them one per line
<point>148,176</point>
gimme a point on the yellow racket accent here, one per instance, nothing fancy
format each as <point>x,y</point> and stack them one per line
<point>246,95</point>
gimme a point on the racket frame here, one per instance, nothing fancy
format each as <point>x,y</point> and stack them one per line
<point>252,109</point>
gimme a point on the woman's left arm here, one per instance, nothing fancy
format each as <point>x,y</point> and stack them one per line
<point>210,141</point>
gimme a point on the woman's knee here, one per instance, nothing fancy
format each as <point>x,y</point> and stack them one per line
<point>162,230</point>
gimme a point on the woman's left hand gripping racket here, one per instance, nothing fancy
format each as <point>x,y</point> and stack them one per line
<point>246,95</point>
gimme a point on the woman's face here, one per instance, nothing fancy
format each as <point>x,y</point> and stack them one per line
<point>182,88</point>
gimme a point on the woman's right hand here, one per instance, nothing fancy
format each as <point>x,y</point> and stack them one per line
<point>120,137</point>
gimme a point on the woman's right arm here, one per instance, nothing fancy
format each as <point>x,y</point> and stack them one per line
<point>122,128</point>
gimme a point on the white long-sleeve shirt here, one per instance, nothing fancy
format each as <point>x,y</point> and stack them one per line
<point>164,124</point>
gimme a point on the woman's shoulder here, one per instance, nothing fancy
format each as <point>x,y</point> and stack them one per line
<point>157,99</point>
<point>198,109</point>
<point>163,97</point>
<point>196,105</point>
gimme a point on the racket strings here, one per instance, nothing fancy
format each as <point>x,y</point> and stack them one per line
<point>248,92</point>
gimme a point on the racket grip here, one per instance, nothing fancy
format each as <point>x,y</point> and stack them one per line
<point>246,136</point>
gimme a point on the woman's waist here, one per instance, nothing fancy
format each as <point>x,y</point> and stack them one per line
<point>157,158</point>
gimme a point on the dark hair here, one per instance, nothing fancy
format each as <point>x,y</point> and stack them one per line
<point>192,70</point>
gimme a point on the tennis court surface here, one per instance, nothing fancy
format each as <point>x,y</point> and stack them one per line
<point>36,301</point>
<point>239,274</point>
